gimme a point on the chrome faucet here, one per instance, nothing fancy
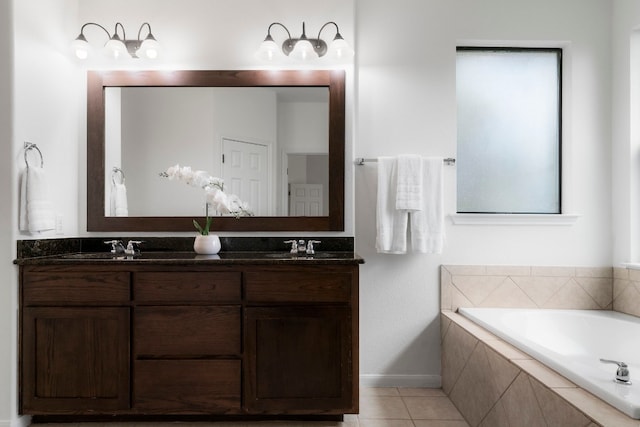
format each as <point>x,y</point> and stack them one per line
<point>622,373</point>
<point>116,246</point>
<point>310,250</point>
<point>297,246</point>
<point>131,249</point>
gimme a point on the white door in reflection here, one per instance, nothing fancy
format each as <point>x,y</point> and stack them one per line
<point>306,200</point>
<point>245,173</point>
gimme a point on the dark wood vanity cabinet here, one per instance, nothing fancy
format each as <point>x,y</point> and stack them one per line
<point>75,341</point>
<point>237,340</point>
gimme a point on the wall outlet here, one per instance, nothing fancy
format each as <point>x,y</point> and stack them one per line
<point>59,228</point>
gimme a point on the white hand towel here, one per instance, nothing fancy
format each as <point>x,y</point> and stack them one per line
<point>36,212</point>
<point>409,194</point>
<point>119,204</point>
<point>427,225</point>
<point>391,223</point>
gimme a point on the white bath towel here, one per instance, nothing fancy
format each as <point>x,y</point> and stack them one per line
<point>36,212</point>
<point>119,204</point>
<point>425,225</point>
<point>409,190</point>
<point>391,223</point>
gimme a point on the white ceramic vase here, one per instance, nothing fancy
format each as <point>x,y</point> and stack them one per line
<point>207,245</point>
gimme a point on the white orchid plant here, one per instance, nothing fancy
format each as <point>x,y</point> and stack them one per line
<point>221,202</point>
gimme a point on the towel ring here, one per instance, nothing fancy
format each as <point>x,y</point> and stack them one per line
<point>114,172</point>
<point>28,146</point>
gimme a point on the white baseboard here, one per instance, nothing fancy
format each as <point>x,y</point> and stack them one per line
<point>22,421</point>
<point>375,380</point>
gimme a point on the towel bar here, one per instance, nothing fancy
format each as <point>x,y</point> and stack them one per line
<point>361,161</point>
<point>28,146</point>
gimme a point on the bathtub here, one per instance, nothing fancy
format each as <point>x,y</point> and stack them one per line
<point>572,342</point>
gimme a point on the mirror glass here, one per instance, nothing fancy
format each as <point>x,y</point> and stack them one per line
<point>271,136</point>
<point>235,134</point>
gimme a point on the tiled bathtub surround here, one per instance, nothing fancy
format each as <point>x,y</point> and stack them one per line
<point>626,291</point>
<point>491,382</point>
<point>494,385</point>
<point>526,287</point>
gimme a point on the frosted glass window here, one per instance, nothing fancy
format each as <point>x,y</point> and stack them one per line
<point>508,158</point>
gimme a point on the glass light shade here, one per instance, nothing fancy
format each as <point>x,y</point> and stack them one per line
<point>339,49</point>
<point>268,50</point>
<point>81,47</point>
<point>303,51</point>
<point>150,48</point>
<point>116,49</point>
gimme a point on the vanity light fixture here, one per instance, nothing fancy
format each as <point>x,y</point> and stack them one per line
<point>118,46</point>
<point>304,48</point>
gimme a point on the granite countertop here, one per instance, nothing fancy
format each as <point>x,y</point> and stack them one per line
<point>179,251</point>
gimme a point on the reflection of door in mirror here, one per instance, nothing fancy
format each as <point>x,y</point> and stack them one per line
<point>245,173</point>
<point>308,179</point>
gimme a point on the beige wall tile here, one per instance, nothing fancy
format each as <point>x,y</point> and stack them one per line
<point>556,411</point>
<point>634,274</point>
<point>502,371</point>
<point>540,289</point>
<point>476,391</point>
<point>520,404</point>
<point>620,273</point>
<point>477,288</point>
<point>497,417</point>
<point>553,271</point>
<point>508,270</point>
<point>547,376</point>
<point>572,295</point>
<point>445,289</point>
<point>456,349</point>
<point>619,286</point>
<point>603,272</point>
<point>600,289</point>
<point>596,409</point>
<point>467,270</point>
<point>506,350</point>
<point>628,301</point>
<point>508,294</point>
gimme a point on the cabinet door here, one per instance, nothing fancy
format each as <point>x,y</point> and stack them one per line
<point>75,360</point>
<point>299,360</point>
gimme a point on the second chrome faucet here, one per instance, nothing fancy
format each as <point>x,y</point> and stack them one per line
<point>299,247</point>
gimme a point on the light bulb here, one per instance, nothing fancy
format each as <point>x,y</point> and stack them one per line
<point>339,49</point>
<point>149,48</point>
<point>116,48</point>
<point>81,47</point>
<point>268,50</point>
<point>303,51</point>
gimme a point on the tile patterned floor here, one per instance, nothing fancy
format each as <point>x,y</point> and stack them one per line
<point>379,407</point>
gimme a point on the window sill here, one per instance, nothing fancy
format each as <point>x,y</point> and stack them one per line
<point>514,219</point>
<point>631,265</point>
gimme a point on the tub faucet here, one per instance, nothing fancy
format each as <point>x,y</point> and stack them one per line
<point>622,374</point>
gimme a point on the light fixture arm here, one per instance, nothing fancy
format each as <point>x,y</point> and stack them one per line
<point>92,23</point>
<point>338,35</point>
<point>149,29</point>
<point>115,32</point>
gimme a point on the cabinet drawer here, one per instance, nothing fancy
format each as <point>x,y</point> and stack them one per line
<point>75,287</point>
<point>187,286</point>
<point>298,286</point>
<point>187,331</point>
<point>187,386</point>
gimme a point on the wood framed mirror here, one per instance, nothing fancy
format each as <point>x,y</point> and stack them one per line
<point>287,84</point>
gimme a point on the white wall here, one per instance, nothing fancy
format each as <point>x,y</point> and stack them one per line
<point>406,104</point>
<point>626,132</point>
<point>8,289</point>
